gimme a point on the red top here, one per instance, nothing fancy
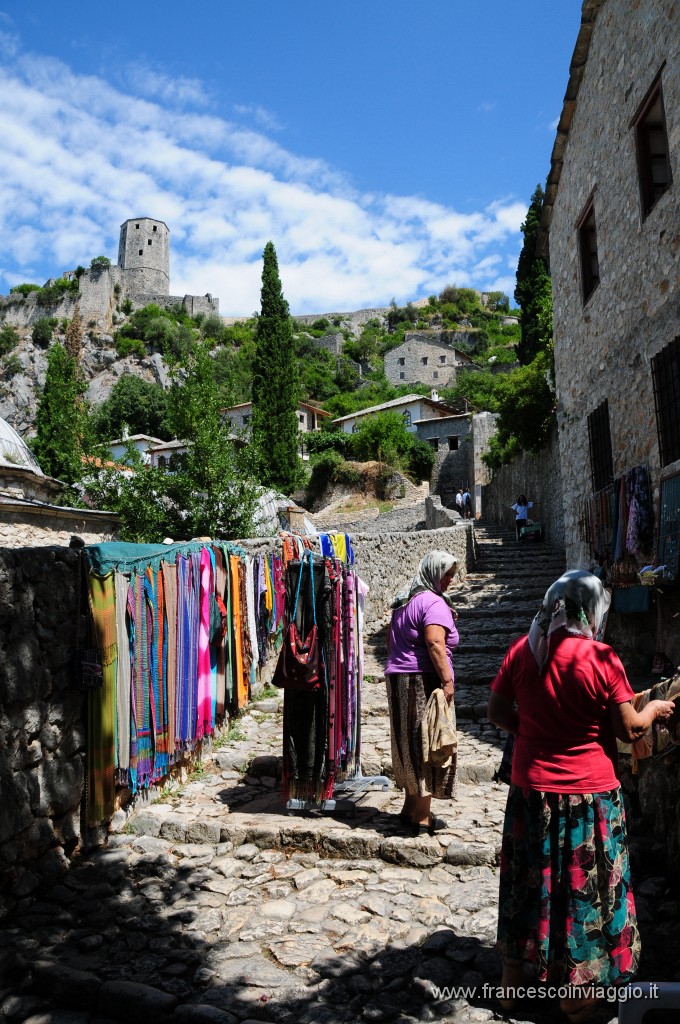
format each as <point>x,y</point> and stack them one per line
<point>565,742</point>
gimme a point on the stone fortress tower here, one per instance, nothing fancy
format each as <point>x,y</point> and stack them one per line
<point>144,256</point>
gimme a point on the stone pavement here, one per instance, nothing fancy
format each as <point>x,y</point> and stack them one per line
<point>211,905</point>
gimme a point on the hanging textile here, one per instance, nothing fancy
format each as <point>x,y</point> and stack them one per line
<point>102,701</point>
<point>322,729</point>
<point>182,630</point>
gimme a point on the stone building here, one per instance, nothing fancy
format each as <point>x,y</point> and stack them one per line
<point>414,409</point>
<point>425,358</point>
<point>29,515</point>
<point>309,418</point>
<point>611,228</point>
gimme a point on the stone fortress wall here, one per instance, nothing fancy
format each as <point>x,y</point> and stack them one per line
<point>142,277</point>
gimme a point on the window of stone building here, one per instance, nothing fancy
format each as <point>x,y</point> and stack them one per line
<point>434,443</point>
<point>442,359</point>
<point>453,442</point>
<point>154,227</point>
<point>651,143</point>
<point>587,240</point>
<point>600,443</point>
<point>246,419</point>
<point>301,417</point>
<point>424,360</point>
<point>666,381</point>
<point>137,226</point>
<point>141,251</point>
<point>401,376</point>
<point>402,361</point>
<point>148,241</point>
<point>408,419</point>
<point>435,373</point>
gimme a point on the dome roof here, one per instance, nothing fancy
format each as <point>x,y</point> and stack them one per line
<point>14,452</point>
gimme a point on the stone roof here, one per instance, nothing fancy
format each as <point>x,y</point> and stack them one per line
<point>589,13</point>
<point>14,452</point>
<point>404,400</point>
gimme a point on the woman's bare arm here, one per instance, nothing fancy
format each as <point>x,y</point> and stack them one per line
<point>629,725</point>
<point>502,713</point>
<point>435,640</point>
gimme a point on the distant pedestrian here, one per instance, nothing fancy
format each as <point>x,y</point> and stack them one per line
<point>467,504</point>
<point>459,501</point>
<point>521,510</point>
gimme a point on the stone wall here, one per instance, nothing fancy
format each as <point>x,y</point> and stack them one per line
<point>483,429</point>
<point>603,348</point>
<point>23,526</point>
<point>42,714</point>
<point>536,476</point>
<point>387,561</point>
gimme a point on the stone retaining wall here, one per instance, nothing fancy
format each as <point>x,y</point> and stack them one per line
<point>536,476</point>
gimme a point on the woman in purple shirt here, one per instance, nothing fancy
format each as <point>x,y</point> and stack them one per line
<point>421,640</point>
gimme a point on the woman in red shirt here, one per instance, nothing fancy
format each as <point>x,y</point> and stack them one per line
<point>565,905</point>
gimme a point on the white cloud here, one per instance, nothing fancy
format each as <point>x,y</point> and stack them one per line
<point>261,116</point>
<point>553,124</point>
<point>486,107</point>
<point>80,156</point>
<point>176,90</point>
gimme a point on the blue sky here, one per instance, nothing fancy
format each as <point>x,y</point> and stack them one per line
<point>386,147</point>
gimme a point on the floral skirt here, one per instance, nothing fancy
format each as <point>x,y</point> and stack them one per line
<point>565,900</point>
<point>407,697</point>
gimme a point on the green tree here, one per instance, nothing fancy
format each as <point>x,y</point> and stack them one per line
<point>100,263</point>
<point>533,290</point>
<point>276,387</point>
<point>210,494</point>
<point>137,404</point>
<point>61,420</point>
<point>213,493</point>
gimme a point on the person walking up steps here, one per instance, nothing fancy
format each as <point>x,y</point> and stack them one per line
<point>521,510</point>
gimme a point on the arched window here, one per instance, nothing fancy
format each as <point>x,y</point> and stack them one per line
<point>408,419</point>
<point>161,462</point>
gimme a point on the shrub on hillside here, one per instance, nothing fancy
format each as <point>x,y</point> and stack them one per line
<point>43,330</point>
<point>24,289</point>
<point>9,338</point>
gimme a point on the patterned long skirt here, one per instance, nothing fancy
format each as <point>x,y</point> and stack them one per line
<point>407,697</point>
<point>565,901</point>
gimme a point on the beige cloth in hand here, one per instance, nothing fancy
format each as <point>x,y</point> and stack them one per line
<point>438,731</point>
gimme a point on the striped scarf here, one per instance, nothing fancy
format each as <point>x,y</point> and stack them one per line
<point>101,702</point>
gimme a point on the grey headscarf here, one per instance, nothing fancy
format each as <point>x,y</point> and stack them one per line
<point>433,567</point>
<point>578,601</point>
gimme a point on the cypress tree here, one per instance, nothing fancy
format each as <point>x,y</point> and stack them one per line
<point>61,419</point>
<point>276,385</point>
<point>533,292</point>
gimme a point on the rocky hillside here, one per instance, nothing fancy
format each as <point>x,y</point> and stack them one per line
<point>22,374</point>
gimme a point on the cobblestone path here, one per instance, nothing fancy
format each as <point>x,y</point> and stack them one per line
<point>213,906</point>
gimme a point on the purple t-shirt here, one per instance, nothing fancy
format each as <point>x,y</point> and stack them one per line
<point>408,650</point>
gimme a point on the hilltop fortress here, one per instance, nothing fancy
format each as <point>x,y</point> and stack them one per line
<point>141,276</point>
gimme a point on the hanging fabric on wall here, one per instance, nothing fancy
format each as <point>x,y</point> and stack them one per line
<point>322,728</point>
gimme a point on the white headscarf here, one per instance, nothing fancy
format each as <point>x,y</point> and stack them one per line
<point>432,569</point>
<point>577,601</point>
